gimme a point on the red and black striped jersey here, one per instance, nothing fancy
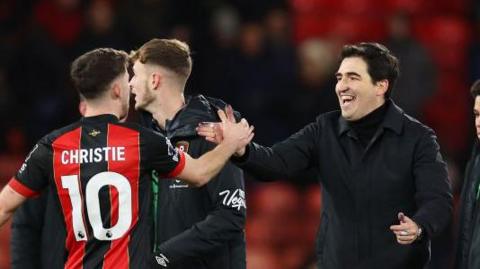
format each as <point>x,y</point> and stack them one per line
<point>99,170</point>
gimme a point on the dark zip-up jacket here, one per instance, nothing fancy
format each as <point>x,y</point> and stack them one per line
<point>199,227</point>
<point>364,188</point>
<point>468,241</point>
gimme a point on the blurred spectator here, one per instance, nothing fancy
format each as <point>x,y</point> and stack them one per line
<point>62,20</point>
<point>281,59</point>
<point>142,20</point>
<point>251,83</point>
<point>182,32</point>
<point>417,80</point>
<point>102,29</point>
<point>315,92</point>
<point>217,57</point>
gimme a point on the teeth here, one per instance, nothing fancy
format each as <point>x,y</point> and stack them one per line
<point>347,98</point>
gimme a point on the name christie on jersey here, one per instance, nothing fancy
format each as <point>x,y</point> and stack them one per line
<point>93,155</point>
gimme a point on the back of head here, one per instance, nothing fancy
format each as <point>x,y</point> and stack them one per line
<point>381,63</point>
<point>475,89</point>
<point>95,70</point>
<point>171,54</point>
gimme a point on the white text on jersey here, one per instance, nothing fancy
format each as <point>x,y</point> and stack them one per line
<point>93,155</point>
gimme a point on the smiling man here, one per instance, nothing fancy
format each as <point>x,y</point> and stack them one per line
<point>384,182</point>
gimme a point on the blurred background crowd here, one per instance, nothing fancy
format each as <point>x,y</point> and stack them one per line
<point>273,60</point>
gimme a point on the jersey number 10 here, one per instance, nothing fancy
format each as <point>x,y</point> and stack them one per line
<point>92,190</point>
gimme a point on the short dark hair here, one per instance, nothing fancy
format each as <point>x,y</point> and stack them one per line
<point>381,63</point>
<point>475,89</point>
<point>169,53</point>
<point>93,71</point>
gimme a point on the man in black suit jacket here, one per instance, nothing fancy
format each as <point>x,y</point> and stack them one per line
<point>385,185</point>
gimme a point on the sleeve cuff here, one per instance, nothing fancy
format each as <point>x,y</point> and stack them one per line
<point>19,187</point>
<point>243,159</point>
<point>425,232</point>
<point>180,166</point>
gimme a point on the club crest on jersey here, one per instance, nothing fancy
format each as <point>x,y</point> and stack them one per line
<point>94,133</point>
<point>183,146</point>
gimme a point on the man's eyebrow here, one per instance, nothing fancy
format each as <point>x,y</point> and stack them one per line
<point>348,74</point>
<point>353,74</point>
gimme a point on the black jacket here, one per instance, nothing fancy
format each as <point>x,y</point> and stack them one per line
<point>199,227</point>
<point>401,170</point>
<point>468,241</point>
<point>32,236</point>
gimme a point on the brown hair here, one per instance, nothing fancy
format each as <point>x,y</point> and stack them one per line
<point>93,71</point>
<point>169,53</point>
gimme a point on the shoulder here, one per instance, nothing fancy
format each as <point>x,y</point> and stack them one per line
<point>328,119</point>
<point>143,131</point>
<point>414,127</point>
<point>51,137</point>
<point>329,116</point>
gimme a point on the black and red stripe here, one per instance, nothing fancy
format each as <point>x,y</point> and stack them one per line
<point>118,256</point>
<point>68,141</point>
<point>19,187</point>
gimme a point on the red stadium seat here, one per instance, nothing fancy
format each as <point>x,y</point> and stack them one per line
<point>308,26</point>
<point>358,28</point>
<point>450,105</point>
<point>414,7</point>
<point>447,38</point>
<point>308,6</point>
<point>361,7</point>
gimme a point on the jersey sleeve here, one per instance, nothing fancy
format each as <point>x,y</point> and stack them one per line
<point>32,176</point>
<point>162,156</point>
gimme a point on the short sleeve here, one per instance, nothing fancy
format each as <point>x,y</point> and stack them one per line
<point>32,176</point>
<point>162,156</point>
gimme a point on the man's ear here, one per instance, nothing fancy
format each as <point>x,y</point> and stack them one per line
<point>115,91</point>
<point>156,80</point>
<point>382,86</point>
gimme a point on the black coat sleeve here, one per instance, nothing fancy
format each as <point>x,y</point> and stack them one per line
<point>286,159</point>
<point>433,191</point>
<point>223,225</point>
<point>26,234</point>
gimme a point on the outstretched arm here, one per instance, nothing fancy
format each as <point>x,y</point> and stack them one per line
<point>10,200</point>
<point>234,137</point>
<point>285,159</point>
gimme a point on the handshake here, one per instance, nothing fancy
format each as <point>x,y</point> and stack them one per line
<point>228,131</point>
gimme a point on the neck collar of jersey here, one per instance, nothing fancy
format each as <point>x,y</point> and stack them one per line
<point>100,118</point>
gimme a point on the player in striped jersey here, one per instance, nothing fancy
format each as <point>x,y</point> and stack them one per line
<point>97,170</point>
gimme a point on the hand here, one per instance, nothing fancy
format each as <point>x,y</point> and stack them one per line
<point>212,131</point>
<point>216,132</point>
<point>407,231</point>
<point>238,134</point>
